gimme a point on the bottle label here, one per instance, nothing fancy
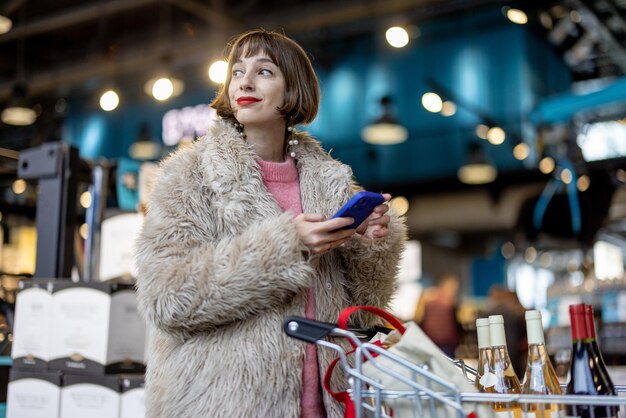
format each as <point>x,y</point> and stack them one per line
<point>488,379</point>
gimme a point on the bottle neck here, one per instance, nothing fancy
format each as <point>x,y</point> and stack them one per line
<point>483,359</point>
<point>534,328</point>
<point>500,363</point>
<point>591,326</point>
<point>579,326</point>
<point>499,354</point>
<point>484,341</point>
<point>537,352</point>
<point>497,336</point>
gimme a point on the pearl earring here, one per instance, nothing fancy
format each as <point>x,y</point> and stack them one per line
<point>239,127</point>
<point>291,142</point>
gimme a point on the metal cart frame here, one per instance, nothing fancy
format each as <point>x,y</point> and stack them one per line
<point>427,393</point>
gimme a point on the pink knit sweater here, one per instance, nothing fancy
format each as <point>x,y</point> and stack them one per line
<point>281,179</point>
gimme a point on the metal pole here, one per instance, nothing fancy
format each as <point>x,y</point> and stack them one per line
<point>94,216</point>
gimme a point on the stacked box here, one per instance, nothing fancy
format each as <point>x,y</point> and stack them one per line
<point>133,403</point>
<point>96,329</point>
<point>31,331</point>
<point>34,394</point>
<point>84,396</point>
<point>78,351</point>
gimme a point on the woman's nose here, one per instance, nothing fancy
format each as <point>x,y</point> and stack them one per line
<point>246,83</point>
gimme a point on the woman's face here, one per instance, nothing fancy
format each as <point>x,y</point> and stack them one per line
<point>257,90</point>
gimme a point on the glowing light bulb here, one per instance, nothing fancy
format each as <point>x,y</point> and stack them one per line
<point>85,199</point>
<point>517,16</point>
<point>432,102</point>
<point>481,131</point>
<point>217,71</point>
<point>397,37</point>
<point>162,89</point>
<point>19,186</point>
<point>566,176</point>
<point>546,165</point>
<point>496,135</point>
<point>109,100</point>
<point>583,183</point>
<point>400,205</point>
<point>521,151</point>
<point>448,108</point>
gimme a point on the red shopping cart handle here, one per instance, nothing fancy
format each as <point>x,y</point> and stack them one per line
<point>307,330</point>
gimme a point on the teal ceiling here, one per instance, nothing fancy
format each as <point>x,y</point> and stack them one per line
<point>490,67</point>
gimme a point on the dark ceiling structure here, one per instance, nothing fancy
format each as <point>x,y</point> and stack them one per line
<point>59,47</point>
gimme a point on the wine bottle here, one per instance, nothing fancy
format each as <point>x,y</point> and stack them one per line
<point>595,349</point>
<point>585,376</point>
<point>540,377</point>
<point>596,356</point>
<point>484,378</point>
<point>506,380</point>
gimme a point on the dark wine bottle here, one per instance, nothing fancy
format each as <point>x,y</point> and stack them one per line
<point>585,377</point>
<point>596,355</point>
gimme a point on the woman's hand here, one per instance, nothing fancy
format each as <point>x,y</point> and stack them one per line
<point>376,225</point>
<point>321,235</point>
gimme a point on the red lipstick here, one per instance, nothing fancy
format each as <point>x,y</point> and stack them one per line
<point>247,100</point>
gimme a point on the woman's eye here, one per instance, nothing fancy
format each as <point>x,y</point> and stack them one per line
<point>237,73</point>
<point>265,71</point>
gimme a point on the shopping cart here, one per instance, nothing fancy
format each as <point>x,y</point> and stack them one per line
<point>422,393</point>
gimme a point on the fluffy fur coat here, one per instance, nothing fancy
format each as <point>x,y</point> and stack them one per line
<point>220,267</point>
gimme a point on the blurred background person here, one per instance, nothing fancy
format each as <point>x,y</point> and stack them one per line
<point>506,303</point>
<point>436,313</point>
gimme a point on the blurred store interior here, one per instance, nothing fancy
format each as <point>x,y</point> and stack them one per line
<point>505,135</point>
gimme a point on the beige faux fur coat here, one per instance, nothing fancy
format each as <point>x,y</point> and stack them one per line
<point>220,267</point>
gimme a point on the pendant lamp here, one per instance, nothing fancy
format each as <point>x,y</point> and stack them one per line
<point>385,130</point>
<point>18,112</point>
<point>478,169</point>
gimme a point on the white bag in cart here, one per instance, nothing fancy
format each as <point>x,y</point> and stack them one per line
<point>415,347</point>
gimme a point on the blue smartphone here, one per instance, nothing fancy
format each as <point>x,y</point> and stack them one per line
<point>359,207</point>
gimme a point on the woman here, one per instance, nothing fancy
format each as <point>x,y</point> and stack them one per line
<point>436,313</point>
<point>237,237</point>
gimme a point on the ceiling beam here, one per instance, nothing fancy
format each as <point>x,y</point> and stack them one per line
<point>184,50</point>
<point>11,6</point>
<point>594,25</point>
<point>211,15</point>
<point>320,16</point>
<point>72,17</point>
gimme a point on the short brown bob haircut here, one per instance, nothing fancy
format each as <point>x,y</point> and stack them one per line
<point>302,91</point>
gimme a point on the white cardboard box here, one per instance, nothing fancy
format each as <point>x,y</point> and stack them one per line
<point>31,331</point>
<point>96,329</point>
<point>90,397</point>
<point>133,402</point>
<point>33,395</point>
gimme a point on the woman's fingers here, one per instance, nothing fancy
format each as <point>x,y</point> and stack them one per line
<point>335,224</point>
<point>321,235</point>
<point>329,245</point>
<point>309,217</point>
<point>383,220</point>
